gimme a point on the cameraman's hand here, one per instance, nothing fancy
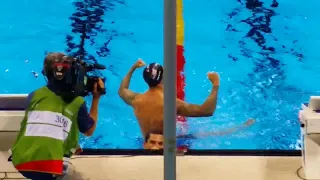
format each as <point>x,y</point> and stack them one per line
<point>140,63</point>
<point>95,92</point>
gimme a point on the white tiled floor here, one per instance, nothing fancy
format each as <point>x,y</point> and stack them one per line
<point>188,168</point>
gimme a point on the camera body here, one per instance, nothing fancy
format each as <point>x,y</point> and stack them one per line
<point>77,77</point>
<point>87,75</point>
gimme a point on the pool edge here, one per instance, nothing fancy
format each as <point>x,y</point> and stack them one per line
<point>142,152</point>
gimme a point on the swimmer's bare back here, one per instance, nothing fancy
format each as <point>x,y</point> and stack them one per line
<point>148,107</point>
<point>149,110</point>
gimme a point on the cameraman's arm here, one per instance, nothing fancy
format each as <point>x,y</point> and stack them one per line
<point>87,121</point>
<point>126,95</point>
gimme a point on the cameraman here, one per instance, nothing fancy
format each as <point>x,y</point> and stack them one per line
<point>54,116</point>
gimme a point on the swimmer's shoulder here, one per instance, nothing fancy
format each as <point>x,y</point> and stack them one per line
<point>146,97</point>
<point>138,99</point>
<point>141,97</point>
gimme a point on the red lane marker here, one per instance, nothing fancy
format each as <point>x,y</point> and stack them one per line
<point>180,77</point>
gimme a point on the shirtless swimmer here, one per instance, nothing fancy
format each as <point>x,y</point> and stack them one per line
<point>148,106</point>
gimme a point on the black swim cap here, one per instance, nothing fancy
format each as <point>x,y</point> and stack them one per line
<point>153,74</point>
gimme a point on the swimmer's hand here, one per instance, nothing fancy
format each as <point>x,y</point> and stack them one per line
<point>140,63</point>
<point>249,122</point>
<point>214,78</point>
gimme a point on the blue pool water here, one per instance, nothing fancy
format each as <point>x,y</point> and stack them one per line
<point>266,56</point>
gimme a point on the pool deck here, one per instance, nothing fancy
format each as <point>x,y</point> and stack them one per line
<point>188,168</point>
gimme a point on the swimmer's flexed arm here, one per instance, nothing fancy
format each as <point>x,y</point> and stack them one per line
<point>127,95</point>
<point>205,109</point>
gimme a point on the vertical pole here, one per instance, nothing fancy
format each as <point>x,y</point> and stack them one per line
<point>170,68</point>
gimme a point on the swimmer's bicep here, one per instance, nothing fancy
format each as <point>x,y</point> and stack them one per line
<point>189,110</point>
<point>127,96</point>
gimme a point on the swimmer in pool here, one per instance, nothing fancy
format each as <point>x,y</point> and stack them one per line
<point>148,106</point>
<point>154,140</point>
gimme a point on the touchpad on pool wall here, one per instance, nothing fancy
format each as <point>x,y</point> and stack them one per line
<point>13,102</point>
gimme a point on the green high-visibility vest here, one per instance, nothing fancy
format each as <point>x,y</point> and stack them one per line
<point>49,130</point>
